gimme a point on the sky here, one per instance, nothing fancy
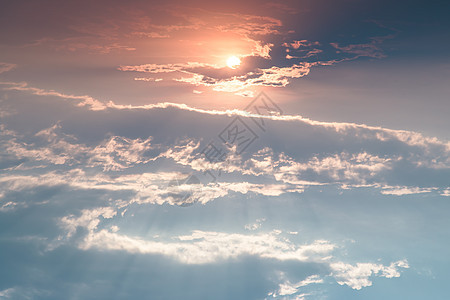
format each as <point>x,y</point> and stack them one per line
<point>224,149</point>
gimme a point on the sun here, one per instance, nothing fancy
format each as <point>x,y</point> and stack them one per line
<point>233,62</point>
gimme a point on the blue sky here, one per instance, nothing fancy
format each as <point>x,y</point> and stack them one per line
<point>136,164</point>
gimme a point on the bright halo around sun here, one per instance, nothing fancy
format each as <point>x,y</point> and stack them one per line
<point>233,62</point>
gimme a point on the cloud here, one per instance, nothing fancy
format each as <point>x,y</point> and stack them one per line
<point>345,154</point>
<point>302,43</point>
<point>122,28</point>
<point>7,293</point>
<point>147,79</point>
<point>356,168</point>
<point>274,61</point>
<point>304,49</point>
<point>98,184</point>
<point>358,276</point>
<point>263,66</point>
<point>89,219</point>
<point>278,71</point>
<point>137,170</point>
<point>256,225</point>
<point>20,292</point>
<point>446,193</point>
<point>249,25</point>
<point>92,103</point>
<point>146,188</point>
<point>287,288</point>
<point>362,131</point>
<point>168,68</point>
<point>404,190</point>
<point>221,80</point>
<point>367,50</point>
<point>210,247</point>
<point>202,247</point>
<point>6,67</point>
<point>90,166</point>
<point>97,48</point>
<point>119,153</point>
<point>61,149</point>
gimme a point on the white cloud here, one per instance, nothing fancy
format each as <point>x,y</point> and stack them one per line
<point>404,190</point>
<point>119,152</point>
<point>88,219</point>
<point>23,292</point>
<point>61,149</point>
<point>148,79</point>
<point>362,131</point>
<point>286,288</point>
<point>152,188</point>
<point>202,247</point>
<point>256,225</point>
<point>7,205</point>
<point>337,168</point>
<point>359,275</point>
<point>7,293</point>
<point>446,193</point>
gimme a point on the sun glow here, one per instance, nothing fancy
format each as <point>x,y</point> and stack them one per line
<point>233,62</point>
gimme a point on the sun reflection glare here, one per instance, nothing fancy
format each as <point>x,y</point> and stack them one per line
<point>233,62</point>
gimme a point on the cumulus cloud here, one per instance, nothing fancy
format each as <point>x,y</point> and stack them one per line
<point>88,219</point>
<point>446,193</point>
<point>358,276</point>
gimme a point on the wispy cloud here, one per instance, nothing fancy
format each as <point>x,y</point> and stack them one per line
<point>285,173</point>
<point>6,67</point>
<point>286,288</point>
